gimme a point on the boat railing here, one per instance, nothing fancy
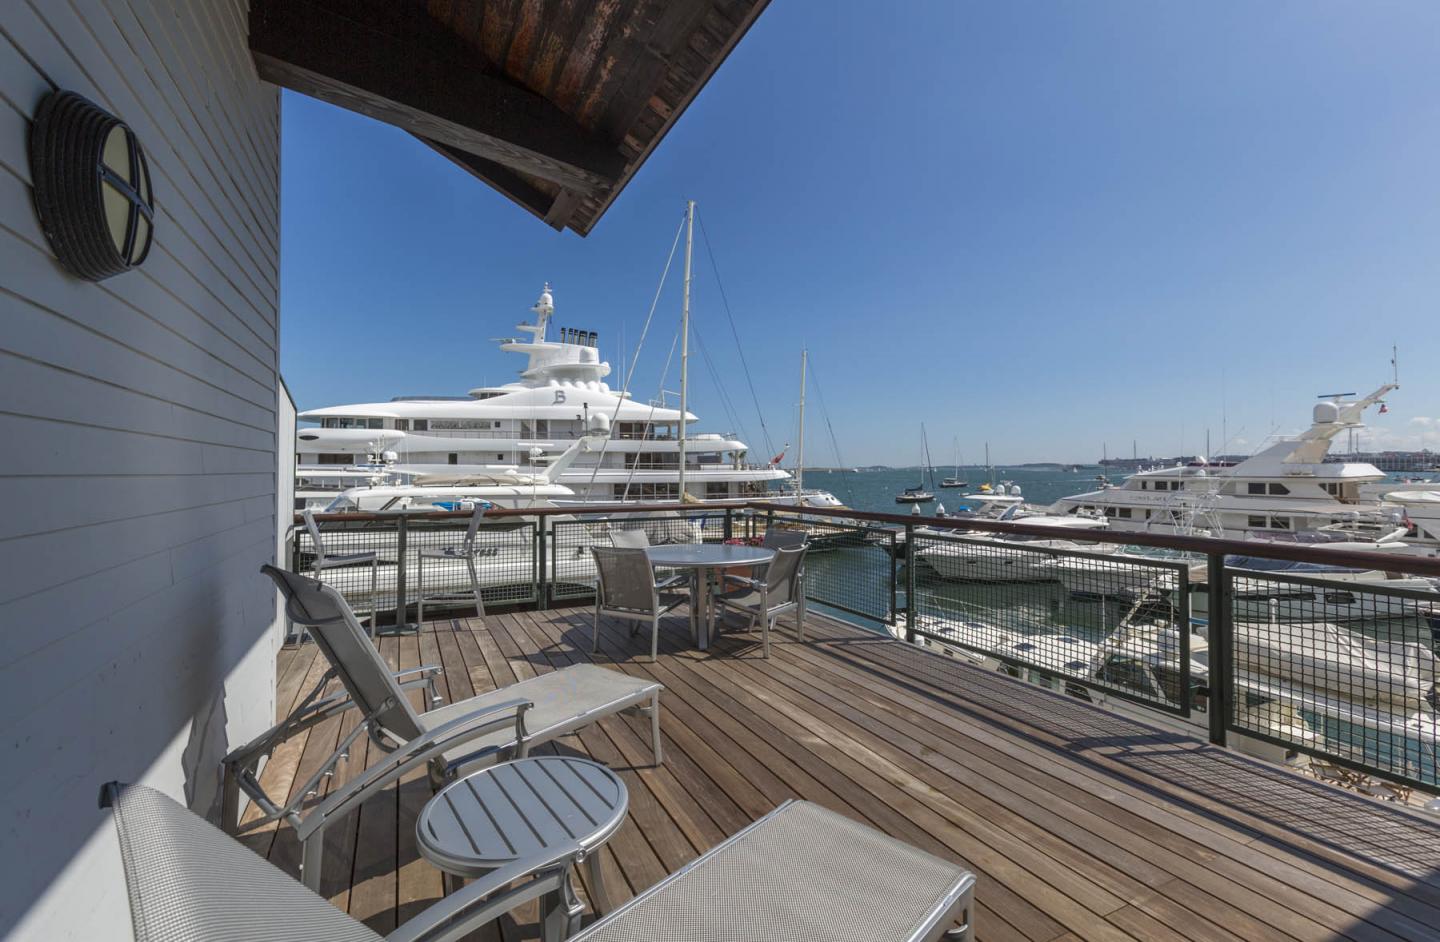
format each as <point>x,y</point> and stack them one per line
<point>1336,670</point>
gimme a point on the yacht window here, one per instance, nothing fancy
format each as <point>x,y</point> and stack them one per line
<point>1127,673</point>
<point>333,458</point>
<point>1279,490</point>
<point>1255,487</point>
<point>1109,511</point>
<point>374,423</point>
<point>422,425</point>
<point>341,504</point>
<point>1280,523</point>
<point>402,425</point>
<point>499,457</point>
<point>1144,485</point>
<point>717,490</point>
<point>454,458</point>
<point>1124,512</point>
<point>1256,522</point>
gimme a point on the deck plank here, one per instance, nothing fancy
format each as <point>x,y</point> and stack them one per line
<point>1079,824</point>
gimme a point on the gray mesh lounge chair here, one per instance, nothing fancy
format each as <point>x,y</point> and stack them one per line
<point>190,882</point>
<point>773,595</point>
<point>450,740</point>
<point>800,872</point>
<point>628,589</point>
<point>465,552</point>
<point>324,561</point>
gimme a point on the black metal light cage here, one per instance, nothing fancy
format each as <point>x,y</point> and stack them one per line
<point>69,174</point>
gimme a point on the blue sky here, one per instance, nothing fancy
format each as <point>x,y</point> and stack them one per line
<point>1048,226</point>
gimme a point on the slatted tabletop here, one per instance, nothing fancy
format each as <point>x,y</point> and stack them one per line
<point>528,809</point>
<point>1079,824</point>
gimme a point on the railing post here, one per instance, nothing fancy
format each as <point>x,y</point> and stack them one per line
<point>401,531</point>
<point>542,588</point>
<point>729,532</point>
<point>910,583</point>
<point>1221,637</point>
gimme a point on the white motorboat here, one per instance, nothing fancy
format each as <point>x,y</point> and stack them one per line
<point>989,557</point>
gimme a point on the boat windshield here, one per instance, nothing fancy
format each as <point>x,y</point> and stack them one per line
<point>342,505</point>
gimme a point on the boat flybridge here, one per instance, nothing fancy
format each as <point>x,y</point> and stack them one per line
<point>522,424</point>
<point>1285,488</point>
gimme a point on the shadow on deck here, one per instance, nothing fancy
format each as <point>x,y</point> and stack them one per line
<point>1079,824</point>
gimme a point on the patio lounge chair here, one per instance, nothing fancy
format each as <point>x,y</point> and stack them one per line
<point>450,740</point>
<point>800,872</point>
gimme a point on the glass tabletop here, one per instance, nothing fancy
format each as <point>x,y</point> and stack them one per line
<point>707,555</point>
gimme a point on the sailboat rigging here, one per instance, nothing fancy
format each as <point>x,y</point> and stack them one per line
<point>954,480</point>
<point>918,494</point>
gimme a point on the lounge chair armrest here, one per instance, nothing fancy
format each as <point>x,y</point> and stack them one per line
<point>424,677</point>
<point>411,755</point>
<point>481,901</point>
<point>426,670</point>
<point>671,581</point>
<point>746,581</point>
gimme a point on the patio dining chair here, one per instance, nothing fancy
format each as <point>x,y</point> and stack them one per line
<point>450,740</point>
<point>629,539</point>
<point>776,593</point>
<point>628,588</point>
<point>461,552</point>
<point>324,561</point>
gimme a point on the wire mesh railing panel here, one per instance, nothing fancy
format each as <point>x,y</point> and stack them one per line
<point>1099,624</point>
<point>346,567</point>
<point>439,568</point>
<point>414,555</point>
<point>1340,666</point>
<point>847,567</point>
<point>570,570</point>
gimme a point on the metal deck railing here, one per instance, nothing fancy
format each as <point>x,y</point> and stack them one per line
<point>1181,630</point>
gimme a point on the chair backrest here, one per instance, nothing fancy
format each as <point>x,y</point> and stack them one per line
<point>783,573</point>
<point>474,527</point>
<point>627,580</point>
<point>314,529</point>
<point>785,539</point>
<point>188,880</point>
<point>629,539</point>
<point>346,645</point>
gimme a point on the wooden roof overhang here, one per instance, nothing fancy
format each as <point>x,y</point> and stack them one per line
<point>555,103</point>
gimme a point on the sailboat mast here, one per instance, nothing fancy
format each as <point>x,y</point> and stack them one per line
<point>800,455</point>
<point>685,339</point>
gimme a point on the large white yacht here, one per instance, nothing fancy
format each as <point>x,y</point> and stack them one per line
<point>526,423</point>
<point>1286,488</point>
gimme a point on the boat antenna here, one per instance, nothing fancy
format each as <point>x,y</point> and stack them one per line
<point>1394,366</point>
<point>685,338</point>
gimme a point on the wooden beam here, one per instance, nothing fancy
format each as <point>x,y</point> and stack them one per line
<point>520,191</point>
<point>392,62</point>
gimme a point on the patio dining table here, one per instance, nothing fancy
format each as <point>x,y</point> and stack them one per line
<point>703,561</point>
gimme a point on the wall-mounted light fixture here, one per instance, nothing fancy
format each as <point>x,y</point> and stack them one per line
<point>92,187</point>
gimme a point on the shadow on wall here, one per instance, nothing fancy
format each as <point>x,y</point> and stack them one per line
<point>164,664</point>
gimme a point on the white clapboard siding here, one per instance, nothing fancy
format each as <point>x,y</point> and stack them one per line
<point>144,465</point>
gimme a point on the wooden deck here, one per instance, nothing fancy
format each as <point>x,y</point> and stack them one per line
<point>1080,824</point>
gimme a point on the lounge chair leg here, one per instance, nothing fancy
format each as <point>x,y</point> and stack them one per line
<point>230,800</point>
<point>312,852</point>
<point>654,638</point>
<point>599,896</point>
<point>595,635</point>
<point>420,591</point>
<point>765,637</point>
<point>800,617</point>
<point>655,727</point>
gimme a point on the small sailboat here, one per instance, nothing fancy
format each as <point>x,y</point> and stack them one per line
<point>954,480</point>
<point>918,494</point>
